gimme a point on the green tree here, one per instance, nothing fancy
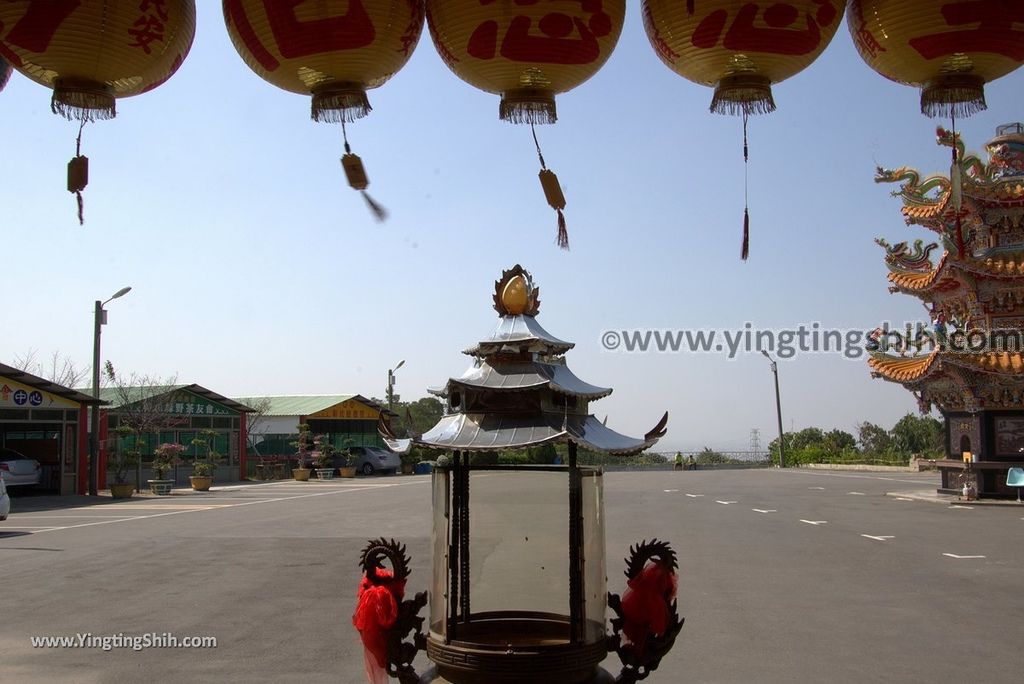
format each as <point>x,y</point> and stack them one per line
<point>918,435</point>
<point>873,439</point>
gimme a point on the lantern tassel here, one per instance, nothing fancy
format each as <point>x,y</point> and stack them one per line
<point>563,233</point>
<point>552,193</point>
<point>379,212</point>
<point>357,180</point>
<point>745,249</point>
<point>78,175</point>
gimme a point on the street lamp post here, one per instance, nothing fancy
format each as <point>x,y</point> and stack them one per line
<point>391,386</point>
<point>100,319</point>
<point>778,410</point>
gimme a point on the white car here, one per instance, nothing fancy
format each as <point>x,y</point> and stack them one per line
<point>5,501</point>
<point>15,469</point>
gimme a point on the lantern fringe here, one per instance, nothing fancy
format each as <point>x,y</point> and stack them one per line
<point>81,208</point>
<point>743,94</point>
<point>339,105</point>
<point>78,106</point>
<point>953,95</point>
<point>528,106</point>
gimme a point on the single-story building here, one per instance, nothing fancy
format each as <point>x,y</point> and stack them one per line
<point>49,423</point>
<point>345,419</point>
<point>174,414</point>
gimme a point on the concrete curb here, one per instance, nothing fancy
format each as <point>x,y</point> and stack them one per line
<point>931,496</point>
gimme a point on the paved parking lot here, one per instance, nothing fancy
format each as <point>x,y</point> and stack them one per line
<point>792,576</point>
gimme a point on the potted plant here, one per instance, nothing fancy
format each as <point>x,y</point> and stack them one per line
<point>301,472</point>
<point>347,468</point>
<point>323,457</point>
<point>120,461</point>
<point>165,458</point>
<point>205,464</point>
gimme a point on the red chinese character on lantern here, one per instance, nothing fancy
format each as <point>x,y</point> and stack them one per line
<point>159,6</point>
<point>557,38</point>
<point>146,29</point>
<point>37,26</point>
<point>862,36</point>
<point>296,38</point>
<point>783,35</point>
<point>994,32</point>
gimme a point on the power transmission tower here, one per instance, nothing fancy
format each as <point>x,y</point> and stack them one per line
<point>755,440</point>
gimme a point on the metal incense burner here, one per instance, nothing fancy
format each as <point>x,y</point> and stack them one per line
<point>518,592</point>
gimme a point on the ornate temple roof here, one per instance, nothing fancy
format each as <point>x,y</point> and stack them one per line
<point>526,376</point>
<point>913,369</point>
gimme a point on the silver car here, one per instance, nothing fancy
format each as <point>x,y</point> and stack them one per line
<point>5,501</point>
<point>15,469</point>
<point>370,460</point>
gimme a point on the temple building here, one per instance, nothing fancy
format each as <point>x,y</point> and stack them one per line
<point>968,362</point>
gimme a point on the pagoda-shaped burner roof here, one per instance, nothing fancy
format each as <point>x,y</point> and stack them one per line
<point>526,376</point>
<point>516,333</point>
<point>493,432</point>
<point>519,392</point>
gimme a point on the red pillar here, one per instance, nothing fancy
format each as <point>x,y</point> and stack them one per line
<point>82,483</point>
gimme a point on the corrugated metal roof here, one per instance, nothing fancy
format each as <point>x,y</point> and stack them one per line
<point>305,405</point>
<point>113,396</point>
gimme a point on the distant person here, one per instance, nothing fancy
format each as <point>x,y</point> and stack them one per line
<point>679,461</point>
<point>691,463</point>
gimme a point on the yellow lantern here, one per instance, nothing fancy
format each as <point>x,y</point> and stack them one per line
<point>738,47</point>
<point>524,50</point>
<point>948,49</point>
<point>93,51</point>
<point>527,52</point>
<point>332,50</point>
<point>90,52</point>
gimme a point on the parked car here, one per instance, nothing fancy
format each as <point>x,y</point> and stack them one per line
<point>370,460</point>
<point>15,469</point>
<point>5,501</point>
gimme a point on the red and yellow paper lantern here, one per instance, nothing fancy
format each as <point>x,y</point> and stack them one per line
<point>740,48</point>
<point>949,50</point>
<point>526,51</point>
<point>331,50</point>
<point>90,52</point>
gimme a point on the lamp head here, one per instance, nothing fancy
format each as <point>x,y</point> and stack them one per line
<point>122,292</point>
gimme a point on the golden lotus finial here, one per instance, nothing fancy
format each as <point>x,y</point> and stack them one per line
<point>515,293</point>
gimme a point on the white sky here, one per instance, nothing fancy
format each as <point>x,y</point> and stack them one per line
<point>256,270</point>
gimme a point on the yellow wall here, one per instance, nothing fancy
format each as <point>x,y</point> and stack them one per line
<point>350,409</point>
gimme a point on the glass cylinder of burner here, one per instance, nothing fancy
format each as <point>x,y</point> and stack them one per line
<point>506,585</point>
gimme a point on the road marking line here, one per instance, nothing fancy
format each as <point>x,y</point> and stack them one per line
<point>880,537</point>
<point>27,516</point>
<point>821,488</point>
<point>855,493</point>
<point>763,510</point>
<point>195,509</point>
<point>953,555</point>
<point>694,496</point>
<point>726,503</point>
<point>966,508</point>
<point>813,522</point>
<point>159,507</point>
<point>31,527</point>
<point>671,490</point>
<point>903,498</point>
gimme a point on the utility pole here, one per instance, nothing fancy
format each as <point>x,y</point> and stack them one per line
<point>778,410</point>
